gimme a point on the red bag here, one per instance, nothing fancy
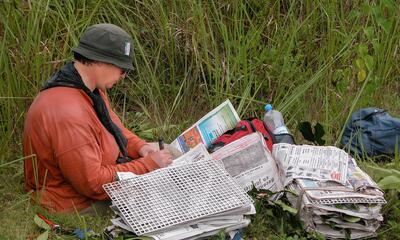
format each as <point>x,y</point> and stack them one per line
<point>243,128</point>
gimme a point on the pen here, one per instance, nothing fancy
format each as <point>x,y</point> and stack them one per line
<point>161,143</point>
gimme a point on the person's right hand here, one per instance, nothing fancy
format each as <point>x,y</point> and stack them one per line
<point>163,157</point>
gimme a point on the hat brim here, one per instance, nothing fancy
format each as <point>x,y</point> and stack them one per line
<point>92,55</point>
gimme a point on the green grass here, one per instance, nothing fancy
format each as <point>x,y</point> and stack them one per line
<point>316,61</point>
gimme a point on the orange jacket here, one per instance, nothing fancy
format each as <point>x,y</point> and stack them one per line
<point>75,154</point>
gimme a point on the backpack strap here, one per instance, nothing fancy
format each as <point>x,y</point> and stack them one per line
<point>265,126</point>
<point>236,129</point>
<point>251,125</point>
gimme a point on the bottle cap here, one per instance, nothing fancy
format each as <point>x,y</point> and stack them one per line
<point>268,107</point>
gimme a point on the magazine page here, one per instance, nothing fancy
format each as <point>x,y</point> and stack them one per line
<point>208,128</point>
<point>249,162</point>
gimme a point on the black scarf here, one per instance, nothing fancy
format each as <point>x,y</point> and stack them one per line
<point>68,76</point>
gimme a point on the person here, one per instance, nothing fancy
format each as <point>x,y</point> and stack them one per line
<point>73,141</point>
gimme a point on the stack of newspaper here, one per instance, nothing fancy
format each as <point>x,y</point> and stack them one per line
<point>193,198</point>
<point>198,195</point>
<point>334,196</point>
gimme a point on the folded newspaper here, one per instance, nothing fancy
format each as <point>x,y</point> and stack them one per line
<point>193,198</point>
<point>334,196</point>
<point>249,162</point>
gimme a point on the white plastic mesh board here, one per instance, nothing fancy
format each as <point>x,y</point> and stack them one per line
<point>331,201</point>
<point>171,196</point>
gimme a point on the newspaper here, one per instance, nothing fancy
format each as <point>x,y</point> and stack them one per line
<point>354,234</point>
<point>359,188</point>
<point>345,204</point>
<point>368,225</point>
<point>334,193</point>
<point>312,162</point>
<point>338,220</point>
<point>198,153</point>
<point>361,210</point>
<point>249,161</point>
<point>200,229</point>
<point>359,180</point>
<point>208,128</point>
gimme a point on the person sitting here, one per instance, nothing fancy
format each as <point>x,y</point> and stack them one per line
<point>73,141</point>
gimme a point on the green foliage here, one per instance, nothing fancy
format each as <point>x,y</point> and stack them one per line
<point>387,178</point>
<point>41,223</point>
<point>43,236</point>
<point>310,135</point>
<point>386,175</point>
<point>390,182</point>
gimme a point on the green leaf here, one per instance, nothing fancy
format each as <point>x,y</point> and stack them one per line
<point>366,8</point>
<point>369,62</point>
<point>319,132</point>
<point>362,49</point>
<point>360,63</point>
<point>376,45</point>
<point>389,4</point>
<point>344,83</point>
<point>376,11</point>
<point>354,14</point>
<point>309,135</point>
<point>380,172</point>
<point>42,224</point>
<point>306,131</point>
<point>361,75</point>
<point>43,236</point>
<point>351,219</point>
<point>384,24</point>
<point>369,32</point>
<point>286,207</point>
<point>341,86</point>
<point>390,182</point>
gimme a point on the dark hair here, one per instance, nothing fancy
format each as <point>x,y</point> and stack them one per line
<point>84,60</point>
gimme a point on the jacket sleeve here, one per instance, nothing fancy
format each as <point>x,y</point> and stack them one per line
<point>134,142</point>
<point>82,164</point>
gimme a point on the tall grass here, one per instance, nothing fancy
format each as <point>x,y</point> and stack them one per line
<point>314,60</point>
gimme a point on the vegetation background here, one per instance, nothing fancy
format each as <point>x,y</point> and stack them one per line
<point>316,61</point>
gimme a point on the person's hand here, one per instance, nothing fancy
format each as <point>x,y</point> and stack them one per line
<point>162,157</point>
<point>146,149</point>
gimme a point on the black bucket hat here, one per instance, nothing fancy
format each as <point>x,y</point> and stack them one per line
<point>106,43</point>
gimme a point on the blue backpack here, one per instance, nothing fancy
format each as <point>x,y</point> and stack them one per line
<point>371,132</point>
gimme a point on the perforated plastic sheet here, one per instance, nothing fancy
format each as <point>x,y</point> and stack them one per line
<point>172,196</point>
<point>349,200</point>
